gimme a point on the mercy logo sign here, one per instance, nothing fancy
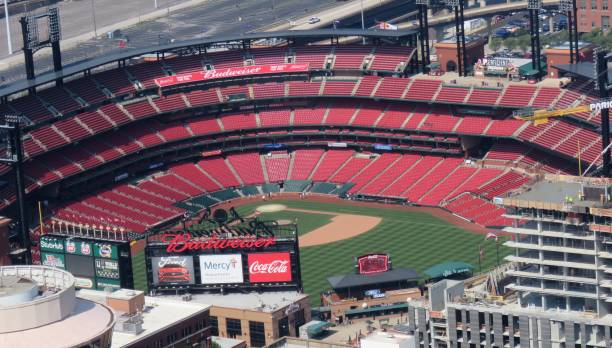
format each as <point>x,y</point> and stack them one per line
<point>221,269</point>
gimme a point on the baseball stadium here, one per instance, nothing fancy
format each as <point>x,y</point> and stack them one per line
<point>110,149</point>
<point>350,143</point>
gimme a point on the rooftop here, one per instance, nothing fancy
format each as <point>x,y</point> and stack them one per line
<point>566,45</point>
<point>225,342</point>
<point>159,313</point>
<point>352,279</point>
<point>386,338</point>
<point>265,302</point>
<point>559,191</point>
<point>91,318</point>
<point>553,192</point>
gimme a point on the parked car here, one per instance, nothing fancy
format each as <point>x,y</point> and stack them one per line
<point>501,32</point>
<point>517,22</point>
<point>313,20</point>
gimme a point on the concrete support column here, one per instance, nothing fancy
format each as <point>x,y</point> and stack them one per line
<point>551,23</point>
<point>483,3</point>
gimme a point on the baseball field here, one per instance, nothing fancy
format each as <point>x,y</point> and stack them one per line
<point>333,233</point>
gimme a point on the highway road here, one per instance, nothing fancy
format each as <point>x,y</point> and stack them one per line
<point>207,19</point>
<point>77,17</point>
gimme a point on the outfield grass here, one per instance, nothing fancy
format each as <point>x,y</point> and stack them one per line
<point>414,240</point>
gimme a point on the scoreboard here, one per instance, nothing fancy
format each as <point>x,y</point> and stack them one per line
<point>95,264</point>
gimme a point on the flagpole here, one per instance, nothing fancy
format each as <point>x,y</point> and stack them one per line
<point>40,218</point>
<point>579,160</point>
<point>497,250</point>
<point>480,258</point>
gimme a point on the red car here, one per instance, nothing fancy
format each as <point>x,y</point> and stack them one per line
<point>173,274</point>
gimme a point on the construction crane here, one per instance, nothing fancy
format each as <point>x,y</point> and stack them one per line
<point>539,117</point>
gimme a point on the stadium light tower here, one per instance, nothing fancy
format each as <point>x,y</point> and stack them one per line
<point>423,6</point>
<point>32,40</point>
<point>568,7</point>
<point>534,7</point>
<point>14,157</point>
<point>600,70</point>
<point>457,6</point>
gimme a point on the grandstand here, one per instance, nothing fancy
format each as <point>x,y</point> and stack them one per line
<point>111,147</point>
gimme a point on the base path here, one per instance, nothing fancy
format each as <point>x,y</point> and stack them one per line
<point>342,226</point>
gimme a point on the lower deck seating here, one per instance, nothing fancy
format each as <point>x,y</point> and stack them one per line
<point>424,179</point>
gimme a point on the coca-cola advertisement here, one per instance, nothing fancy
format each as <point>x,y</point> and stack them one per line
<point>269,267</point>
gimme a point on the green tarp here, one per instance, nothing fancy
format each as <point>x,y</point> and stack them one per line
<point>527,70</point>
<point>448,269</point>
<point>315,330</point>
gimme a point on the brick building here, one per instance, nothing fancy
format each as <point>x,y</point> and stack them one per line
<point>593,14</point>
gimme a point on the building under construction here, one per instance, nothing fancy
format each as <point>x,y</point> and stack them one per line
<point>555,290</point>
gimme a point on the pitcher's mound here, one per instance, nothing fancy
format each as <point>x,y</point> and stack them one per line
<point>270,208</point>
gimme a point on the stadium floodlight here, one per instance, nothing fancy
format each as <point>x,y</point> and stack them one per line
<point>534,4</point>
<point>32,37</point>
<point>565,5</point>
<point>55,32</point>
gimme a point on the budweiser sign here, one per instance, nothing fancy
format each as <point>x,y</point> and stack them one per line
<point>230,72</point>
<point>178,243</point>
<point>269,267</point>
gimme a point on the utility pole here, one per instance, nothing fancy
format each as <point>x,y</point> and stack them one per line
<point>362,22</point>
<point>93,13</point>
<point>8,28</point>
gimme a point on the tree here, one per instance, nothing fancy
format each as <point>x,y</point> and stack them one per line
<point>524,43</point>
<point>494,44</point>
<point>510,43</point>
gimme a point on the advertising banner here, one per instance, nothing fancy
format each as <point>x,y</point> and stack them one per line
<point>102,283</point>
<point>172,270</point>
<point>269,267</point>
<point>106,250</point>
<point>229,73</point>
<point>84,283</point>
<point>78,247</point>
<point>52,244</point>
<point>107,268</point>
<point>221,269</point>
<point>53,260</point>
